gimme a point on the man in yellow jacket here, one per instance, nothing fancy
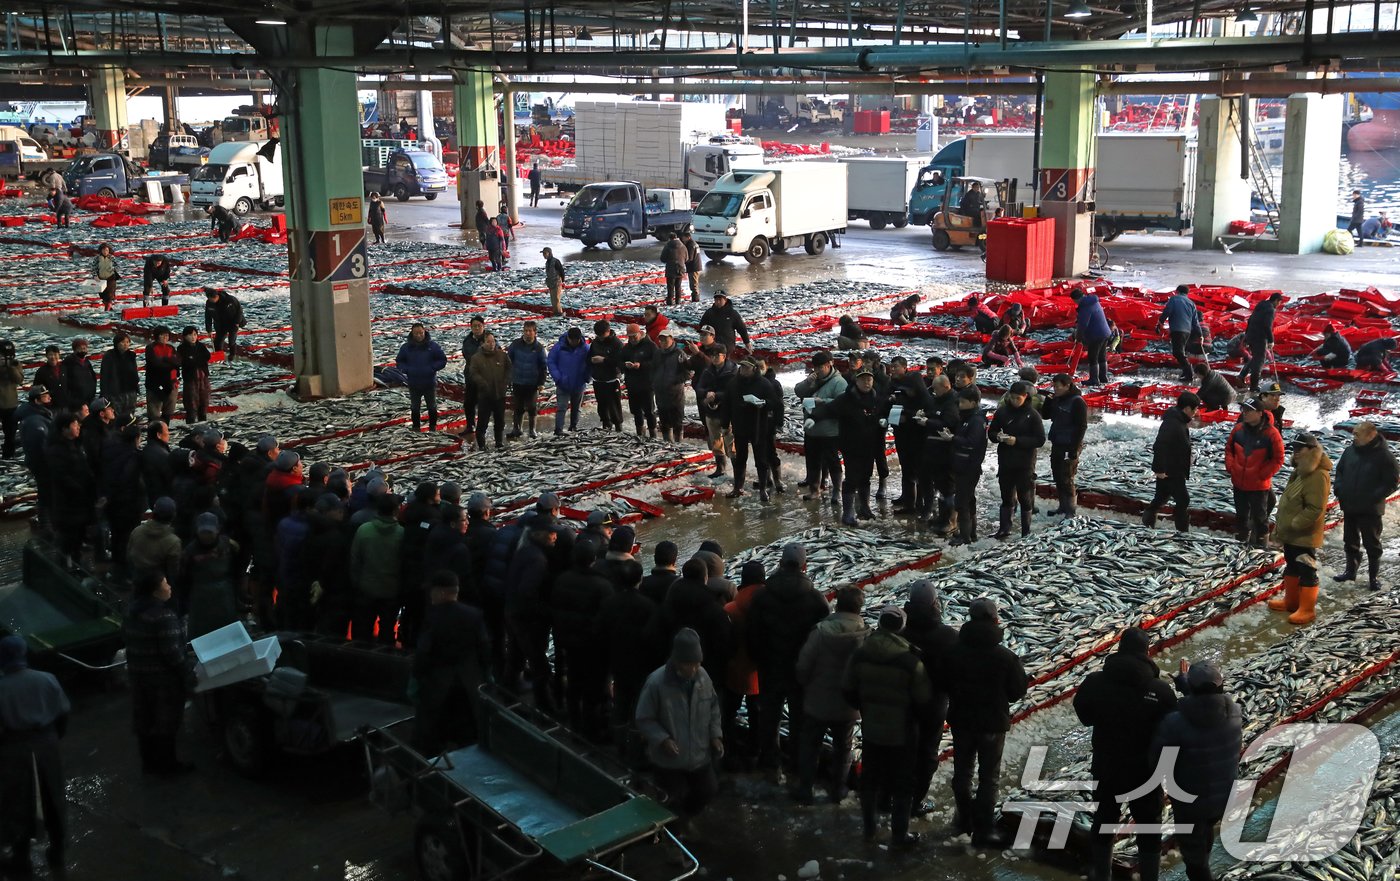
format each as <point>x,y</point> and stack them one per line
<point>1301,511</point>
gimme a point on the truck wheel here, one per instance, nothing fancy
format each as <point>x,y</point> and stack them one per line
<point>618,239</point>
<point>401,193</point>
<point>716,256</point>
<point>758,251</point>
<point>430,196</point>
<point>816,243</point>
<point>242,206</point>
<point>941,242</point>
<point>107,193</point>
<point>438,850</point>
<point>247,740</point>
<point>901,223</point>
<point>877,223</point>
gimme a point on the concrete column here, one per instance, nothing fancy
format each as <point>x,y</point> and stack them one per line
<point>1311,164</point>
<point>108,96</point>
<point>478,150</point>
<point>1067,166</point>
<point>426,130</point>
<point>172,110</point>
<point>325,215</point>
<point>1222,195</point>
<point>511,179</point>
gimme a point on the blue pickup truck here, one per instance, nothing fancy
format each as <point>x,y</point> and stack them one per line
<point>618,212</point>
<point>112,175</point>
<point>405,174</point>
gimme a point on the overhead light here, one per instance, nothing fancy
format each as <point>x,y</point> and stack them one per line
<point>1078,9</point>
<point>683,24</point>
<point>730,44</point>
<point>271,20</point>
<point>583,36</point>
<point>654,41</point>
<point>1246,15</point>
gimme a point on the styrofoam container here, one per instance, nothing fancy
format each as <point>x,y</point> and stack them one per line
<point>223,649</point>
<point>265,654</point>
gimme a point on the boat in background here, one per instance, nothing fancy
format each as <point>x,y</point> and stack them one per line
<point>1382,132</point>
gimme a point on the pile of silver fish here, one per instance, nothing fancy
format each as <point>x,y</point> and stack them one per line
<point>832,297</point>
<point>303,422</point>
<point>840,557</point>
<point>498,286</point>
<point>17,488</point>
<point>604,298</point>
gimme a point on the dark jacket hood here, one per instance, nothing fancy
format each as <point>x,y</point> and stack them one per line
<point>1130,669</point>
<point>1208,710</point>
<point>980,634</point>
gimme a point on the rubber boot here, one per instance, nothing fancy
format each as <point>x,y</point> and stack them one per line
<point>763,483</point>
<point>907,493</point>
<point>880,491</point>
<point>1353,563</point>
<point>848,502</point>
<point>864,512</point>
<point>738,489</point>
<point>1005,529</point>
<point>1307,606</point>
<point>1025,522</point>
<point>1289,601</point>
<point>1149,518</point>
<point>1374,567</point>
<point>941,526</point>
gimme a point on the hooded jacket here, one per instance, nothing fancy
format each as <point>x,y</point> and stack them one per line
<point>932,639</point>
<point>490,371</point>
<point>1366,476</point>
<point>727,324</point>
<point>858,415</point>
<point>688,713</point>
<point>1259,330</point>
<point>642,352</point>
<point>887,683</point>
<point>1090,322</point>
<point>1254,455</point>
<point>821,666</point>
<point>1171,451</point>
<point>779,621</point>
<point>610,349</point>
<point>1303,505</point>
<point>1124,703</point>
<point>669,377</point>
<point>1206,730</point>
<point>983,678</point>
<point>722,589</point>
<point>568,365</point>
<point>1024,424</point>
<point>1069,419</point>
<point>374,558</point>
<point>970,442</point>
<point>745,419</point>
<point>1215,391</point>
<point>420,362</point>
<point>828,389</point>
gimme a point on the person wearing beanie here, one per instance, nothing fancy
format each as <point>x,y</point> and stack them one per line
<point>1335,351</point>
<point>629,657</point>
<point>1183,320</point>
<point>663,573</point>
<point>207,579</point>
<point>576,602</point>
<point>1171,462</point>
<point>1302,510</point>
<point>726,322</point>
<point>154,548</point>
<point>678,716</point>
<point>1019,433</point>
<point>983,679</point>
<point>860,413</point>
<point>569,368</point>
<point>638,355</point>
<point>780,620</point>
<point>159,664</point>
<point>888,684</point>
<point>821,668</point>
<point>1206,731</point>
<point>931,638</point>
<point>605,365</point>
<point>1068,418</point>
<point>1259,339</point>
<point>194,374</point>
<point>285,474</point>
<point>824,383</point>
<point>529,575</point>
<point>1367,474</point>
<point>1254,454</point>
<point>920,443</point>
<point>375,568</point>
<point>33,718</point>
<point>1124,703</point>
<point>618,556</point>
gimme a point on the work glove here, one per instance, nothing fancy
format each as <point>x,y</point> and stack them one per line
<point>883,423</point>
<point>753,399</point>
<point>810,424</point>
<point>944,434</point>
<point>316,592</point>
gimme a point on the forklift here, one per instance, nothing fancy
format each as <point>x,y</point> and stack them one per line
<point>956,224</point>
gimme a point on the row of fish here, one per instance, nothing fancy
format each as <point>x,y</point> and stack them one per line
<point>580,277</point>
<point>838,557</point>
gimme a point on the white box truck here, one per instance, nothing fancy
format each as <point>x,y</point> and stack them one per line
<point>877,189</point>
<point>1142,181</point>
<point>240,175</point>
<point>658,144</point>
<point>756,211</point>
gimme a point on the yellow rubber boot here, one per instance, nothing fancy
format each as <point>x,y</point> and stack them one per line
<point>1307,606</point>
<point>1289,601</point>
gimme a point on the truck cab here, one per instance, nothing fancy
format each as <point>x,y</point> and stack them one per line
<point>927,196</point>
<point>240,176</point>
<point>815,111</point>
<point>407,173</point>
<point>18,150</point>
<point>708,162</point>
<point>618,212</point>
<point>249,127</point>
<point>106,174</point>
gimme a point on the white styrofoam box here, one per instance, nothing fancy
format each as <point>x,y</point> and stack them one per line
<point>223,649</point>
<point>266,651</point>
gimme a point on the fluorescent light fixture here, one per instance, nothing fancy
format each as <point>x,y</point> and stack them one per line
<point>1078,9</point>
<point>1246,15</point>
<point>270,20</point>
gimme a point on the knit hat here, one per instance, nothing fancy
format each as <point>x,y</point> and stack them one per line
<point>286,460</point>
<point>752,573</point>
<point>1021,387</point>
<point>1203,675</point>
<point>822,357</point>
<point>633,328</point>
<point>451,493</point>
<point>923,594</point>
<point>478,503</point>
<point>1134,641</point>
<point>794,555</point>
<point>328,503</point>
<point>208,523</point>
<point>266,444</point>
<point>685,647</point>
<point>164,509</point>
<point>982,609</point>
<point>547,502</point>
<point>713,547</point>
<point>892,618</point>
<point>14,653</point>
<point>622,539</point>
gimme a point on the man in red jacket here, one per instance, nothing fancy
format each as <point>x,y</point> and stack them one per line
<point>1253,455</point>
<point>654,322</point>
<point>162,377</point>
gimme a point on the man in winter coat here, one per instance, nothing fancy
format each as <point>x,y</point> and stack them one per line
<point>654,323</point>
<point>678,716</point>
<point>819,440</point>
<point>638,356</point>
<point>663,573</point>
<point>1366,476</point>
<point>529,577</point>
<point>1019,433</point>
<point>74,485</point>
<point>11,378</point>
<point>1259,339</point>
<point>936,425</point>
<point>932,639</point>
<point>451,661</point>
<point>1375,355</point>
<point>821,668</point>
<point>194,375</point>
<point>1301,511</point>
<point>50,375</point>
<point>162,377</point>
<point>554,280</point>
<point>668,381</point>
<point>156,473</point>
<point>1212,388</point>
<point>375,567</point>
<point>605,369</point>
<point>673,255</point>
<point>887,683</point>
<point>860,415</point>
<point>689,602</point>
<point>969,452</point>
<point>1253,455</point>
<point>1069,420</point>
<point>33,718</point>
<point>1092,331</point>
<point>490,372</point>
<point>1124,703</point>
<point>154,548</point>
<point>1335,351</point>
<point>779,621</point>
<point>624,615</point>
<point>419,360</point>
<point>528,369</point>
<point>983,679</point>
<point>905,310</point>
<point>471,344</point>
<point>79,376</point>
<point>576,603</point>
<point>909,393</point>
<point>568,367</point>
<point>35,425</point>
<point>692,263</point>
<point>752,404</point>
<point>223,316</point>
<point>1205,728</point>
<point>121,379</point>
<point>155,271</point>
<point>710,388</point>
<point>727,323</point>
<point>1183,321</point>
<point>1171,462</point>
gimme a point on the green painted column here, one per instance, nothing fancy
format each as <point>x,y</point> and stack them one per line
<point>1067,166</point>
<point>478,145</point>
<point>324,187</point>
<point>108,96</point>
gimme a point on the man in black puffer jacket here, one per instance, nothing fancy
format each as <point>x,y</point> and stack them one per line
<point>1019,433</point>
<point>1124,703</point>
<point>1171,462</point>
<point>1205,729</point>
<point>576,601</point>
<point>779,621</point>
<point>621,622</point>
<point>908,392</point>
<point>932,639</point>
<point>983,678</point>
<point>1366,475</point>
<point>1069,420</point>
<point>690,603</point>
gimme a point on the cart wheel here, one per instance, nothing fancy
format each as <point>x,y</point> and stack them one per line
<point>439,852</point>
<point>247,741</point>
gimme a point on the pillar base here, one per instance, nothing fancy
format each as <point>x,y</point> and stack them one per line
<point>1074,225</point>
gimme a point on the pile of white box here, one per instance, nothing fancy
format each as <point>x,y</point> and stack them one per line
<point>230,655</point>
<point>641,140</point>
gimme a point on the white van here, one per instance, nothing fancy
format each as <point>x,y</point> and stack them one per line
<point>240,176</point>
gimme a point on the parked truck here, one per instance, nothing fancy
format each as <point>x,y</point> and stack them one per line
<point>403,173</point>
<point>1141,181</point>
<point>658,144</point>
<point>755,211</point>
<point>619,212</point>
<point>240,176</point>
<point>878,189</point>
<point>21,156</point>
<point>112,175</point>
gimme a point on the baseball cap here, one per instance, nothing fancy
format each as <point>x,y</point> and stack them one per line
<point>36,392</point>
<point>634,328</point>
<point>1271,388</point>
<point>478,503</point>
<point>705,328</point>
<point>1304,439</point>
<point>286,460</point>
<point>865,371</point>
<point>212,436</point>
<point>267,443</point>
<point>1204,674</point>
<point>1247,406</point>
<point>99,403</point>
<point>547,502</point>
<point>721,293</point>
<point>794,554</point>
<point>600,518</point>
<point>164,509</point>
<point>208,523</point>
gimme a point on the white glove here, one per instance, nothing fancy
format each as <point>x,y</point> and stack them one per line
<point>922,420</point>
<point>754,399</point>
<point>944,434</point>
<point>810,424</point>
<point>882,423</point>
